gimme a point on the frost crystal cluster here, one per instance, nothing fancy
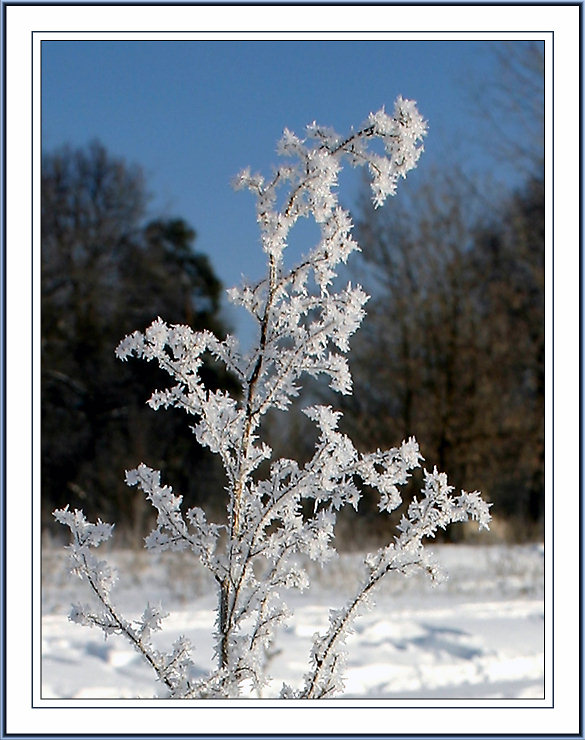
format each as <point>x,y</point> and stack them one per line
<point>304,326</point>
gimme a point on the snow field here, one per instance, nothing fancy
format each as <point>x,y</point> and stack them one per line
<point>478,635</point>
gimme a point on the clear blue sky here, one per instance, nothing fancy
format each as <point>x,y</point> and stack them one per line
<point>194,113</point>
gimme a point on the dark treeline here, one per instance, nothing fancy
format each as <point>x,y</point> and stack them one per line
<point>106,271</point>
<point>451,351</point>
<point>452,348</point>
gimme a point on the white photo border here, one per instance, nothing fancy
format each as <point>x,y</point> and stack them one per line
<point>23,710</point>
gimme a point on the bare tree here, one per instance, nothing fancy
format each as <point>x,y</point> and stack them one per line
<point>104,267</point>
<point>510,107</point>
<point>454,339</point>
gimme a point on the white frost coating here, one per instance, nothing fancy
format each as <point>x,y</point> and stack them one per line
<point>304,327</point>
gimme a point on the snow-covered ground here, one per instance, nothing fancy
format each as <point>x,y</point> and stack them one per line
<point>479,635</point>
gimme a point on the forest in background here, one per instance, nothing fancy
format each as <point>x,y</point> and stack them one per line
<point>452,349</point>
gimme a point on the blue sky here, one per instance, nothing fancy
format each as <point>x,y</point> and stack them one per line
<point>194,113</point>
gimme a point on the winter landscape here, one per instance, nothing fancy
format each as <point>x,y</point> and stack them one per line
<point>257,602</point>
<point>478,635</point>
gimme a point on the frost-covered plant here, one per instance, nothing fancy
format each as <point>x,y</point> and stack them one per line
<point>304,326</point>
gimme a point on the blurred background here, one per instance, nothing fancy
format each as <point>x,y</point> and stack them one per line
<point>140,140</point>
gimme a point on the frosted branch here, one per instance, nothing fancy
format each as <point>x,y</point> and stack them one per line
<point>304,325</point>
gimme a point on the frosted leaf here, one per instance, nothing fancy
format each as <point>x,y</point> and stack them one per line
<point>132,344</point>
<point>475,508</point>
<point>318,535</point>
<point>410,453</point>
<point>86,533</point>
<point>290,145</point>
<point>151,620</point>
<point>324,416</point>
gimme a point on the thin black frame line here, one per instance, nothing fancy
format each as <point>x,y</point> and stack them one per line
<point>287,4</point>
<point>41,41</point>
<point>552,400</point>
<point>3,387</point>
<point>275,736</point>
<point>552,534</point>
<point>581,508</point>
<point>34,149</point>
<point>284,41</point>
<point>32,254</point>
